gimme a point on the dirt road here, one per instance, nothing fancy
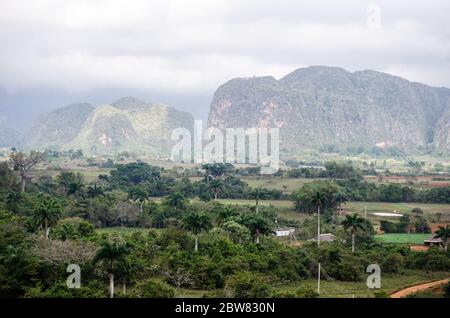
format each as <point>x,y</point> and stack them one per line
<point>416,288</point>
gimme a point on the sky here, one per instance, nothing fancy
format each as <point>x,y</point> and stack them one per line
<point>53,52</point>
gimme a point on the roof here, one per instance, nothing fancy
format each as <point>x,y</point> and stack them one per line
<point>433,239</point>
<point>283,229</point>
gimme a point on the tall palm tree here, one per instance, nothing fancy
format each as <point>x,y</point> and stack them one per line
<point>47,214</point>
<point>139,194</point>
<point>258,194</point>
<point>444,234</point>
<point>257,225</point>
<point>216,186</point>
<point>94,191</point>
<point>353,223</point>
<point>196,222</point>
<point>111,256</point>
<point>318,200</point>
<point>13,200</point>
<point>76,189</point>
<point>226,214</point>
<point>176,200</point>
<point>340,199</point>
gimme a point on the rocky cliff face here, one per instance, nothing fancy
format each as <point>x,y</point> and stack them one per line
<point>126,125</point>
<point>318,106</point>
<point>442,134</point>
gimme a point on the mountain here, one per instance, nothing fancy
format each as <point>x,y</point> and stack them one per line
<point>55,129</point>
<point>318,106</point>
<point>442,134</point>
<point>127,124</point>
<point>8,136</point>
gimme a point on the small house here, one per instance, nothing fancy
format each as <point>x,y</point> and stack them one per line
<point>284,232</point>
<point>432,240</point>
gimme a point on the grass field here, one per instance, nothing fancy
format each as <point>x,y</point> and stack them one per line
<point>358,207</point>
<point>416,239</point>
<point>284,185</point>
<point>398,207</point>
<point>275,203</point>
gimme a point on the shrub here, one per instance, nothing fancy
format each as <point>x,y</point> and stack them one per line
<point>392,263</point>
<point>157,289</point>
<point>247,285</point>
<point>306,293</point>
<point>447,290</point>
<point>381,294</point>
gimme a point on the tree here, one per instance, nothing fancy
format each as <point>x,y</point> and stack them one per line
<point>340,199</point>
<point>13,200</point>
<point>196,222</point>
<point>112,253</point>
<point>134,174</point>
<point>258,194</point>
<point>23,163</point>
<point>76,189</point>
<point>444,234</point>
<point>236,231</point>
<point>225,214</point>
<point>176,200</point>
<point>216,186</point>
<point>352,224</point>
<point>318,200</point>
<point>215,170</point>
<point>47,213</point>
<point>179,277</point>
<point>93,192</point>
<point>305,198</point>
<point>257,226</point>
<point>139,194</point>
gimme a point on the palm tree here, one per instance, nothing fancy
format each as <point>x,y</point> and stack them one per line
<point>47,214</point>
<point>318,200</point>
<point>13,200</point>
<point>216,186</point>
<point>257,226</point>
<point>176,200</point>
<point>197,222</point>
<point>111,255</point>
<point>353,223</point>
<point>140,195</point>
<point>226,214</point>
<point>444,234</point>
<point>215,170</point>
<point>76,189</point>
<point>340,199</point>
<point>125,270</point>
<point>67,231</point>
<point>258,194</point>
<point>93,192</point>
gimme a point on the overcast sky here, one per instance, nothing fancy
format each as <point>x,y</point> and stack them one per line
<point>53,52</point>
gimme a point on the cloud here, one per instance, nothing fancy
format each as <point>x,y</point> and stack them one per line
<point>183,47</point>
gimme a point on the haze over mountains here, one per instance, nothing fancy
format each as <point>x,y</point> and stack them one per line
<point>128,124</point>
<point>313,107</point>
<point>319,106</point>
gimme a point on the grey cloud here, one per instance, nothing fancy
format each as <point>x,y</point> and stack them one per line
<point>182,48</point>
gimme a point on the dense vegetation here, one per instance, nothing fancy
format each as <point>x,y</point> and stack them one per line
<point>186,239</point>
